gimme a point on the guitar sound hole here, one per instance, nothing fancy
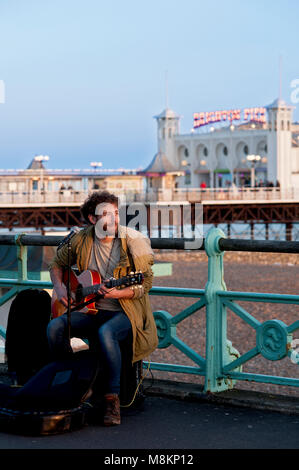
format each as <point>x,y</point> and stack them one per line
<point>78,293</point>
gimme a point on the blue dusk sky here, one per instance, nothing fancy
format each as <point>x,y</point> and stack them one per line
<point>80,81</point>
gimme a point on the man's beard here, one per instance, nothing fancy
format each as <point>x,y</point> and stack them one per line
<point>105,230</point>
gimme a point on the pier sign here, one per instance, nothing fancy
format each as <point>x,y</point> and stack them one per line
<point>248,114</point>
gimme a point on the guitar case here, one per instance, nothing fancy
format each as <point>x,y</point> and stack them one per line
<point>54,400</point>
<point>26,345</point>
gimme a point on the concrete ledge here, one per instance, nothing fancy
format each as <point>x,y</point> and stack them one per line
<point>195,392</point>
<point>235,397</point>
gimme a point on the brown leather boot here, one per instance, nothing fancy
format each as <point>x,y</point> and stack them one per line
<point>112,413</point>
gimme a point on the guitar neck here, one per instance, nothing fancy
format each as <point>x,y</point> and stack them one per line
<point>109,283</point>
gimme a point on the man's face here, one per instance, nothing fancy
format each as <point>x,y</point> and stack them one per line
<point>107,220</point>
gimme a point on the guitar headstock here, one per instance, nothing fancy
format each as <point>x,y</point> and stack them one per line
<point>134,278</point>
<point>129,280</point>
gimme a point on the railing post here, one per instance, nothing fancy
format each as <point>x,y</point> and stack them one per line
<point>219,350</point>
<point>22,258</point>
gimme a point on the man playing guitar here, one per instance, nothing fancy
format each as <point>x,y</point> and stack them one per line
<point>110,250</point>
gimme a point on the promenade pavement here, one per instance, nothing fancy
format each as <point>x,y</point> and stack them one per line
<point>174,424</point>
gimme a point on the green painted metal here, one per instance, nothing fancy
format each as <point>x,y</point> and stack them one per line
<point>22,252</point>
<point>189,311</point>
<point>181,369</point>
<point>276,380</point>
<point>2,332</point>
<point>218,350</point>
<point>8,295</point>
<point>17,286</point>
<point>222,365</point>
<point>166,328</point>
<point>273,337</point>
<point>42,275</point>
<point>241,312</point>
<point>293,327</point>
<point>26,284</point>
<point>2,335</point>
<point>261,297</point>
<point>177,291</point>
<point>241,360</point>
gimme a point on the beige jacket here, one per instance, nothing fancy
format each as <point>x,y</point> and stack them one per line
<point>136,254</point>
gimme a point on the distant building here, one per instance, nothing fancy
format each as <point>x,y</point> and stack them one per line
<point>36,178</point>
<point>218,157</point>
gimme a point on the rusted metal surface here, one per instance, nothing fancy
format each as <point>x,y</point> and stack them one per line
<point>68,216</point>
<point>257,212</point>
<point>40,217</point>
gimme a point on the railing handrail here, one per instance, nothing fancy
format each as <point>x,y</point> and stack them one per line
<point>225,244</point>
<point>266,246</point>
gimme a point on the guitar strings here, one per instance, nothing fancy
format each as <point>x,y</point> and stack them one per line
<point>107,280</point>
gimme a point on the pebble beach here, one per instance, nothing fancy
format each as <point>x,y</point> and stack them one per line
<point>243,272</point>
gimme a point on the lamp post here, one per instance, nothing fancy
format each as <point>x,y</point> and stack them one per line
<point>253,159</point>
<point>203,184</point>
<point>41,158</point>
<point>185,164</point>
<point>96,165</point>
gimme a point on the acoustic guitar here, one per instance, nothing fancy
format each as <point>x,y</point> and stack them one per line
<point>84,290</point>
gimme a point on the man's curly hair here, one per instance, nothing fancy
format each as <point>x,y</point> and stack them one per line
<point>95,198</point>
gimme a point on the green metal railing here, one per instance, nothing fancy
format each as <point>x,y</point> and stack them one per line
<point>222,364</point>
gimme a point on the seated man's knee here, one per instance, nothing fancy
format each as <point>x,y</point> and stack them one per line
<point>105,334</point>
<point>56,326</point>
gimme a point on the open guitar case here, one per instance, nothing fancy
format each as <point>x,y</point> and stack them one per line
<point>53,400</point>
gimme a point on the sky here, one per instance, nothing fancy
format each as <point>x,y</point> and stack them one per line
<point>81,81</point>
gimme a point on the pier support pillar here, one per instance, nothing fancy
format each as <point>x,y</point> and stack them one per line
<point>289,227</point>
<point>266,231</point>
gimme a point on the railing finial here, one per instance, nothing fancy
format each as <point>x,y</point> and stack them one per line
<point>18,239</point>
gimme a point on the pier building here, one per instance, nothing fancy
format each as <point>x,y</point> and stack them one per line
<point>225,149</point>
